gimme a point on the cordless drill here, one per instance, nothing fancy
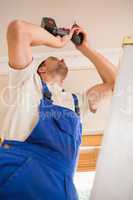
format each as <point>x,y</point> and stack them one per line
<point>50,25</point>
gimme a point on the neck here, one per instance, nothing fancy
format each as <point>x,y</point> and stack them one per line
<point>49,81</point>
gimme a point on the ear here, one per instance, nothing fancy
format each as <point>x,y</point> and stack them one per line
<point>42,69</point>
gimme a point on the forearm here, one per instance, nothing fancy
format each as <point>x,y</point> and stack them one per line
<point>105,68</point>
<point>39,36</point>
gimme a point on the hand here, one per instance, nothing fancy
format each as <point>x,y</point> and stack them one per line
<point>85,39</point>
<point>62,41</point>
<point>93,100</point>
<point>98,95</point>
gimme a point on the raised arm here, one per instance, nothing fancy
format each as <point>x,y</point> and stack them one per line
<point>21,36</point>
<point>106,70</point>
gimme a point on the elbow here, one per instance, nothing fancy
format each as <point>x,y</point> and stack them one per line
<point>111,86</point>
<point>111,82</point>
<point>15,30</point>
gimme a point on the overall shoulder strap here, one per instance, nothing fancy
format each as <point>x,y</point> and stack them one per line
<point>76,103</point>
<point>46,93</point>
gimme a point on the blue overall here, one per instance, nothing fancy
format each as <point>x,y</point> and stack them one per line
<point>42,167</point>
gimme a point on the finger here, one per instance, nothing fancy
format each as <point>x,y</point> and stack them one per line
<point>58,37</point>
<point>80,31</point>
<point>93,108</point>
<point>74,29</point>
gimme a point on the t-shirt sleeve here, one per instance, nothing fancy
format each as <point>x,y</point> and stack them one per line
<point>19,76</point>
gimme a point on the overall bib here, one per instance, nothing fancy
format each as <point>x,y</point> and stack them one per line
<point>42,167</point>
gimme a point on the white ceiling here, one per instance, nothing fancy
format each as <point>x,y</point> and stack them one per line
<point>106,20</point>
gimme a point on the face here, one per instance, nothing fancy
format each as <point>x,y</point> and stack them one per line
<point>47,71</point>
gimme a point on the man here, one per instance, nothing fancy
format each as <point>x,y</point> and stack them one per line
<point>42,130</point>
<point>21,113</point>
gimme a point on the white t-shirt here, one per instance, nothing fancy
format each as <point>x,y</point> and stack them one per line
<point>21,98</point>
